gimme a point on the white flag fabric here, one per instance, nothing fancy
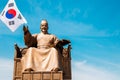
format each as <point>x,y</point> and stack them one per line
<point>11,16</point>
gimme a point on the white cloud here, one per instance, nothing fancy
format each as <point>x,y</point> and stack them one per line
<point>83,71</point>
<point>103,61</point>
<point>6,69</point>
<point>71,28</point>
<point>79,28</point>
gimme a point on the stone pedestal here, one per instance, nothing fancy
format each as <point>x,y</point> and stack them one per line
<point>42,75</point>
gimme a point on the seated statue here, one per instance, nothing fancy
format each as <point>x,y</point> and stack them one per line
<point>42,53</point>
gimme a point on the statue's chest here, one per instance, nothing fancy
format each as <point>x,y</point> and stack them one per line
<point>45,39</point>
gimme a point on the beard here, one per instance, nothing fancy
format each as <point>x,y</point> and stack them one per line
<point>44,30</point>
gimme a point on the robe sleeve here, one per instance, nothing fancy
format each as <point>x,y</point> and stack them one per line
<point>30,40</point>
<point>56,40</point>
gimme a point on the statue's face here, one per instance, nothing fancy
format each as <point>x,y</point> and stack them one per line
<point>44,26</point>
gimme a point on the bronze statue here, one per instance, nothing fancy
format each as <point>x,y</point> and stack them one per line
<point>44,53</point>
<point>43,56</point>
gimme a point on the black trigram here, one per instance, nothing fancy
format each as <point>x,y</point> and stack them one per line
<point>10,4</point>
<point>3,13</point>
<point>11,22</point>
<point>19,16</point>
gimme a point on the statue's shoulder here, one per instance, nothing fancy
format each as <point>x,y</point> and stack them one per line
<point>52,34</point>
<point>35,35</point>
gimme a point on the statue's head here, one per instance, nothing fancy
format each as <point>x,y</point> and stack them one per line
<point>44,26</point>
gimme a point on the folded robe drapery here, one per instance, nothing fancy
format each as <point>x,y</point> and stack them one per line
<point>43,58</point>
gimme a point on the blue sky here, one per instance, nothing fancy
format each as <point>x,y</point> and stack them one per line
<point>93,26</point>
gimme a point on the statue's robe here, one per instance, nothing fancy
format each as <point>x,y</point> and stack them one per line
<point>44,57</point>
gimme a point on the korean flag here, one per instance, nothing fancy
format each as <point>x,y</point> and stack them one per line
<point>11,16</point>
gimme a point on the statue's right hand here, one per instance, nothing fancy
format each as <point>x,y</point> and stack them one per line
<point>25,29</point>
